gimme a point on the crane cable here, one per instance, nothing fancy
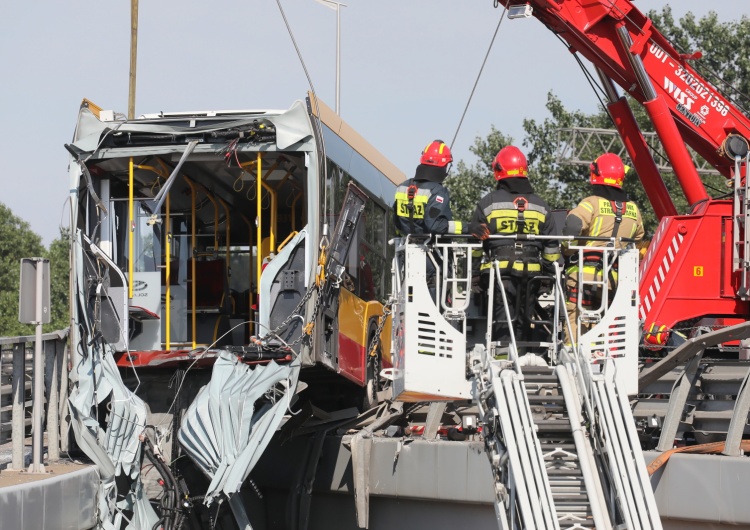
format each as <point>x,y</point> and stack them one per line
<point>466,108</point>
<point>316,122</point>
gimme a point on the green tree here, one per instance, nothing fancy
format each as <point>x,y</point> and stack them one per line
<point>468,183</point>
<point>17,241</point>
<point>59,262</point>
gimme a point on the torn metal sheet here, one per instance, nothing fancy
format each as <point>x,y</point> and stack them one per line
<point>115,450</point>
<point>91,130</point>
<point>226,428</point>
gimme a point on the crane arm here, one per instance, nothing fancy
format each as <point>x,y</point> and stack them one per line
<point>622,43</point>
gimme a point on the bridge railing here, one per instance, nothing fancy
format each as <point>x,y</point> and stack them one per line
<point>16,391</point>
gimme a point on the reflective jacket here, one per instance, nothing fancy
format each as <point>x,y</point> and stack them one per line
<point>597,216</point>
<point>424,207</point>
<point>514,208</point>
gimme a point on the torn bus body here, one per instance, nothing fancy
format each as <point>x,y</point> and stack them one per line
<point>215,255</point>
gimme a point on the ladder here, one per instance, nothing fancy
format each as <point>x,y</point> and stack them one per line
<point>740,225</point>
<point>561,439</point>
<point>564,450</point>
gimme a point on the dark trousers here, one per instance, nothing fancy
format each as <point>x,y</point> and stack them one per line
<point>523,308</point>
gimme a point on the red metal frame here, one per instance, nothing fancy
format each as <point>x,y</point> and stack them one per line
<point>688,271</point>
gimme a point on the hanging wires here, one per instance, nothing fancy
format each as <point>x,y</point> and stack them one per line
<point>466,108</point>
<point>317,124</point>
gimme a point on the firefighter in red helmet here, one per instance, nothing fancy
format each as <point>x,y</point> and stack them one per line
<point>514,209</point>
<point>423,204</point>
<point>605,213</point>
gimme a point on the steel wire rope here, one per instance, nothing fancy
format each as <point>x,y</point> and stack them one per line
<point>481,69</point>
<point>320,151</point>
<point>205,350</point>
<point>316,122</point>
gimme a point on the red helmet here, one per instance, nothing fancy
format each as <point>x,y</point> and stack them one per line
<point>609,170</point>
<point>510,162</point>
<point>436,154</point>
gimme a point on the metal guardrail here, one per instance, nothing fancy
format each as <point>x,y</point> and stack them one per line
<point>16,391</point>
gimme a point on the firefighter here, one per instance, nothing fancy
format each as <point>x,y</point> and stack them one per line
<point>605,213</point>
<point>423,204</point>
<point>514,208</point>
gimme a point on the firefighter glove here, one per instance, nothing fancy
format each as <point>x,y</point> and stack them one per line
<point>479,230</point>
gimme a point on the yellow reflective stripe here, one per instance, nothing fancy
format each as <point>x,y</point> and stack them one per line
<point>402,205</point>
<point>532,214</point>
<point>551,257</point>
<point>589,269</point>
<point>503,214</point>
<point>486,266</point>
<point>632,230</point>
<point>440,150</point>
<point>588,206</point>
<point>457,227</point>
<point>596,228</point>
<point>531,267</point>
<point>517,266</point>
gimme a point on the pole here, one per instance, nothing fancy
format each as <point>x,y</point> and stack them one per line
<point>338,58</point>
<point>133,56</point>
<point>38,405</point>
<point>337,6</point>
<point>18,432</point>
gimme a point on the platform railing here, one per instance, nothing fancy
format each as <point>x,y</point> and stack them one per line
<point>16,393</point>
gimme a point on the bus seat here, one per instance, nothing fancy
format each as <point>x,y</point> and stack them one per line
<point>211,284</point>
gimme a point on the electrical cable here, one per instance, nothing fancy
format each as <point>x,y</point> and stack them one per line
<point>466,108</point>
<point>595,86</point>
<point>317,124</point>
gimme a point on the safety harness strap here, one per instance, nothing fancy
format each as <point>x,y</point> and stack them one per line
<point>619,209</point>
<point>410,193</point>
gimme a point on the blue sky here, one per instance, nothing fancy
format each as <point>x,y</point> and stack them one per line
<point>407,68</point>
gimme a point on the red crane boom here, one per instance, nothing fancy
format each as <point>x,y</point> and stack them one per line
<point>697,264</point>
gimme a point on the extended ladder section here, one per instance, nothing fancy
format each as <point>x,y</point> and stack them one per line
<point>741,222</point>
<point>558,428</point>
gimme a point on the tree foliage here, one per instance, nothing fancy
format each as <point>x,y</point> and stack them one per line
<point>726,55</point>
<point>18,241</point>
<point>59,263</point>
<point>468,183</point>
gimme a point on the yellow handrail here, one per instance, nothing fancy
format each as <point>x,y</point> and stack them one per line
<point>288,238</point>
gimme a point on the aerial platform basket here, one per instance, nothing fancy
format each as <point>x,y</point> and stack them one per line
<point>429,362</point>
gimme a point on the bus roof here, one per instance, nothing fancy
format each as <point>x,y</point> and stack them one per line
<point>334,122</point>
